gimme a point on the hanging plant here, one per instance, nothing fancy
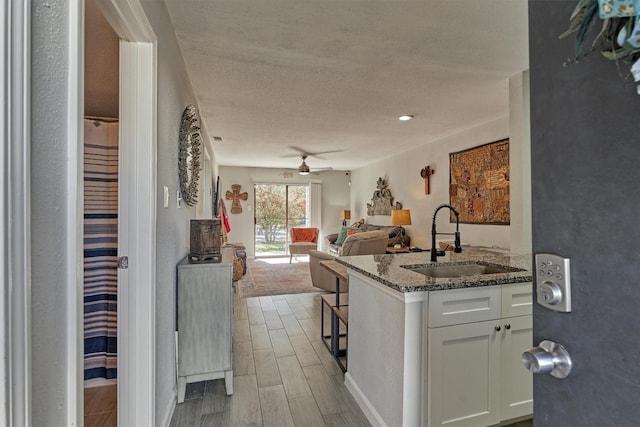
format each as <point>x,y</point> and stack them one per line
<point>618,37</point>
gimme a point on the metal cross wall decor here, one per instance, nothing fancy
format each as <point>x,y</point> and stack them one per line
<point>426,173</point>
<point>236,196</point>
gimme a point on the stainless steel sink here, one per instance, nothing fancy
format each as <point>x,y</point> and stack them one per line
<point>460,270</point>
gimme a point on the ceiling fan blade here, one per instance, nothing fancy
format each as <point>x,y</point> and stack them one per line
<point>302,152</point>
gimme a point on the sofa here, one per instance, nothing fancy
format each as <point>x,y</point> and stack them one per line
<point>396,235</point>
<point>370,243</point>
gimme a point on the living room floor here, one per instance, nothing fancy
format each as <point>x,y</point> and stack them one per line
<point>283,373</point>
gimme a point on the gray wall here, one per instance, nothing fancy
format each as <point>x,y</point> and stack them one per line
<point>585,151</point>
<point>49,228</point>
<point>49,168</point>
<point>172,226</point>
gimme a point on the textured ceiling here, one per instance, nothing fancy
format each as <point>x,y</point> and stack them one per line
<point>276,77</point>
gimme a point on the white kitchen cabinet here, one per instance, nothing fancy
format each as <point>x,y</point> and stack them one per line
<point>435,358</point>
<point>205,324</point>
<point>475,375</point>
<point>463,365</point>
<point>516,382</point>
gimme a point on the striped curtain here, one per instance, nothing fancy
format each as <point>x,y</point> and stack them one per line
<point>100,248</point>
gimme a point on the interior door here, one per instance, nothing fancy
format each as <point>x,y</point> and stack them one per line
<point>585,205</point>
<point>100,230</point>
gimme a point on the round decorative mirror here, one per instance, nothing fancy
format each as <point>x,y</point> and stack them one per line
<point>189,155</point>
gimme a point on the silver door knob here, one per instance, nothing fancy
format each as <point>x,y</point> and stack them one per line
<point>548,358</point>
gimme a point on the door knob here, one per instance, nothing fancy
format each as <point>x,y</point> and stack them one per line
<point>548,358</point>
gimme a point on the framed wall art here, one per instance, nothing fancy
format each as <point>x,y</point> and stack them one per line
<point>479,183</point>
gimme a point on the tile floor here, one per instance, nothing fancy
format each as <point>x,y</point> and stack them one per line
<point>283,373</point>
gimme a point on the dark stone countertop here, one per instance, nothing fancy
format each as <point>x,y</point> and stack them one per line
<point>387,269</point>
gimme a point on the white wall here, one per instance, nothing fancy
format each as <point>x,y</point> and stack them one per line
<point>101,70</point>
<point>402,173</point>
<point>335,196</point>
<point>520,161</point>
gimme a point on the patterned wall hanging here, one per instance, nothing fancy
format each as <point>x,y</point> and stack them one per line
<point>479,183</point>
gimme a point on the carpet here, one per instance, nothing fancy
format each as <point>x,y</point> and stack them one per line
<point>275,277</point>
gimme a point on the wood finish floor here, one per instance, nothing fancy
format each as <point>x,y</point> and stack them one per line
<point>101,406</point>
<point>283,373</point>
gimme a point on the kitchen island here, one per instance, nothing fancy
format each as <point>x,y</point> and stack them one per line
<point>439,350</point>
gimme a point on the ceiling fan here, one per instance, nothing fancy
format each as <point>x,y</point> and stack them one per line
<point>304,169</point>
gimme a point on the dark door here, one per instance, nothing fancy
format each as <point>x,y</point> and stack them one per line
<point>585,143</point>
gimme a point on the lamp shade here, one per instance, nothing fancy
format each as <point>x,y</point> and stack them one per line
<point>400,217</point>
<point>344,214</point>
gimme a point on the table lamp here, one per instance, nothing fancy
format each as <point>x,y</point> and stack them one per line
<point>344,216</point>
<point>401,217</point>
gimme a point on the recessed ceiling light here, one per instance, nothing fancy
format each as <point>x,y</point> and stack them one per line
<point>405,117</point>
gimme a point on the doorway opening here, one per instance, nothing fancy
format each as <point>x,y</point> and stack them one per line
<point>278,208</point>
<point>100,229</point>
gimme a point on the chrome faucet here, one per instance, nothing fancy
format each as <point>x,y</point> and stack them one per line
<point>457,248</point>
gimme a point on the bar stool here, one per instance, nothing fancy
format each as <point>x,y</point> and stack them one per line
<point>338,303</point>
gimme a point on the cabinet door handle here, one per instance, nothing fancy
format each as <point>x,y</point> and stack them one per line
<point>497,328</point>
<point>507,326</point>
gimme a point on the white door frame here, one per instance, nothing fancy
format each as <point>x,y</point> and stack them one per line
<point>15,215</point>
<point>136,314</point>
<point>136,211</point>
<point>137,235</point>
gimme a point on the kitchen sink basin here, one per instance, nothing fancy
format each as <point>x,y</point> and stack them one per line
<point>460,270</point>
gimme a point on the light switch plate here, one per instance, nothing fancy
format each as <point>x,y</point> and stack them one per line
<point>166,196</point>
<point>553,282</point>
<point>178,199</point>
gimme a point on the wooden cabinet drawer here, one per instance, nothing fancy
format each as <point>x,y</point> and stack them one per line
<point>517,299</point>
<point>467,305</point>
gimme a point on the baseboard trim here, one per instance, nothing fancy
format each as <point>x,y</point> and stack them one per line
<point>367,408</point>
